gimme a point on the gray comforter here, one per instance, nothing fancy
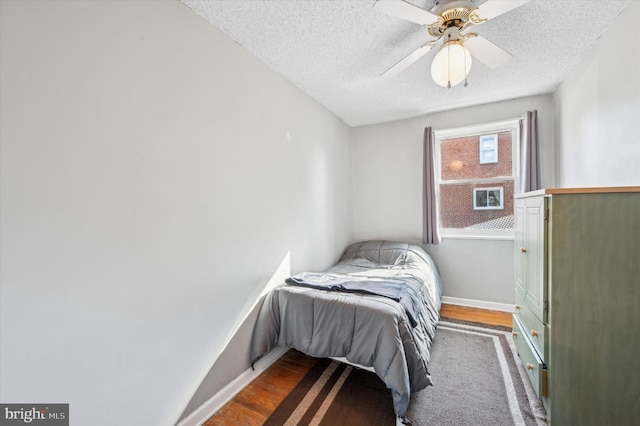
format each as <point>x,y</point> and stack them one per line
<point>366,329</point>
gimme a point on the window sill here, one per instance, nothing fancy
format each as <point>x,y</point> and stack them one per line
<point>469,236</point>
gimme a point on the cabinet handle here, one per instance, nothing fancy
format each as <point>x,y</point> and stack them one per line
<point>534,333</point>
<point>517,307</point>
<point>514,334</point>
<point>523,250</point>
<point>530,366</point>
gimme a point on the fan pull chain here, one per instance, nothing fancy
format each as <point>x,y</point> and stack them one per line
<point>464,54</point>
<point>449,61</point>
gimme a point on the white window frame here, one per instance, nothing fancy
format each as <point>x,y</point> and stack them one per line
<point>479,130</point>
<point>500,189</point>
<point>488,138</point>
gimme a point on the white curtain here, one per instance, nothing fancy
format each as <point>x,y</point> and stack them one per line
<point>430,228</point>
<point>529,143</point>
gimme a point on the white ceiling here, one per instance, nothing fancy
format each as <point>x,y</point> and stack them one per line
<point>335,50</point>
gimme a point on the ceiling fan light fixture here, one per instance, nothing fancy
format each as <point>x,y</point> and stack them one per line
<point>451,64</point>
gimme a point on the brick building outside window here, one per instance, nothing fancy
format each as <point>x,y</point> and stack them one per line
<point>476,175</point>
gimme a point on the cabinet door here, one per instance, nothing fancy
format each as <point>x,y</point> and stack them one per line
<point>534,252</point>
<point>520,244</point>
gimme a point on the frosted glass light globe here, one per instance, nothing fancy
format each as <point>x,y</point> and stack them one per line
<point>452,63</point>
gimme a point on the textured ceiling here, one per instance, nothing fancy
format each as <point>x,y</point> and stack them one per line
<point>335,50</point>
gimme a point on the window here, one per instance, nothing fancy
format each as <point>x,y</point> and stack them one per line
<point>488,149</point>
<point>476,173</point>
<point>487,199</point>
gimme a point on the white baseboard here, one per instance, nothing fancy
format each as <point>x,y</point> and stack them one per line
<point>471,303</point>
<point>217,401</point>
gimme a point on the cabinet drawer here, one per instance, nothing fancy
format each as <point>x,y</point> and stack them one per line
<point>532,363</point>
<point>536,331</point>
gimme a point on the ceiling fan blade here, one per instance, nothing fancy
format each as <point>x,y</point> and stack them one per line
<point>492,8</point>
<point>406,62</point>
<point>486,52</point>
<point>404,10</point>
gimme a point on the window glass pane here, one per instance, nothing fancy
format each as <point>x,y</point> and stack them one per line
<point>481,198</point>
<point>488,156</point>
<point>457,206</point>
<point>494,199</point>
<point>488,142</point>
<point>460,158</point>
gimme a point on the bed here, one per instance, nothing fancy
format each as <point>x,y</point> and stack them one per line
<point>348,312</point>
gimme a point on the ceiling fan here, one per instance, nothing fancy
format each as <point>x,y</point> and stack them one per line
<point>448,21</point>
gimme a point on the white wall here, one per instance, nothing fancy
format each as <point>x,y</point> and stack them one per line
<point>598,111</point>
<point>387,191</point>
<point>153,177</point>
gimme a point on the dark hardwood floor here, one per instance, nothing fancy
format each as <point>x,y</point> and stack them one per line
<point>253,405</point>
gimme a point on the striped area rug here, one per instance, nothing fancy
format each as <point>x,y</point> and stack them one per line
<point>477,382</point>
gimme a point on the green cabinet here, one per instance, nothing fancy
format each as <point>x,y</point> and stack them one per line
<point>577,316</point>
